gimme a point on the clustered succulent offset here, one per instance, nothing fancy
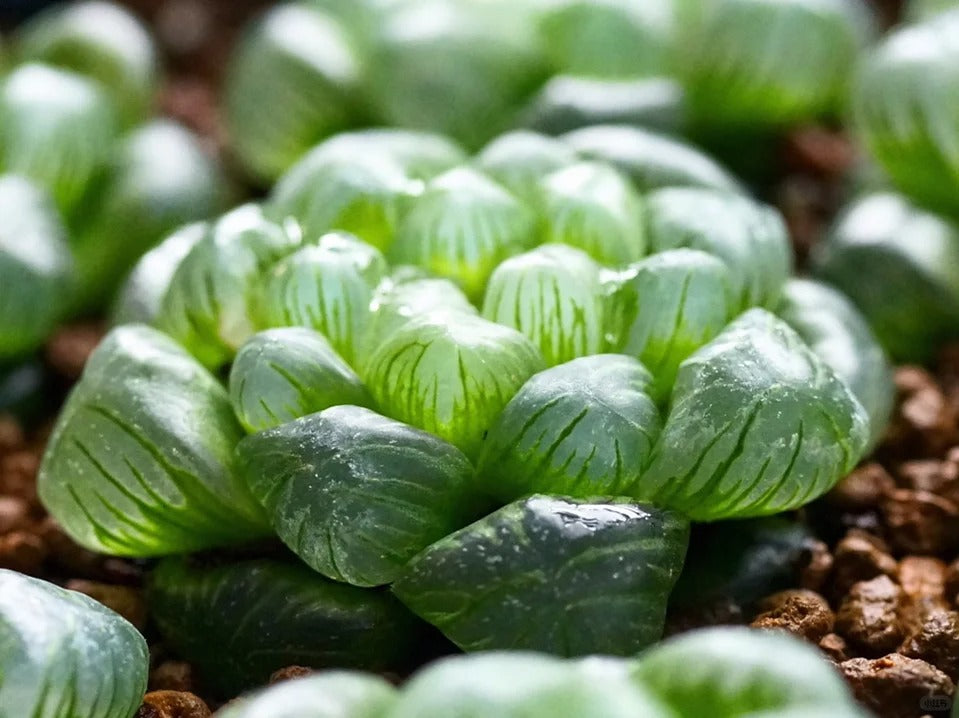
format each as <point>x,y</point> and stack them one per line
<point>87,181</point>
<point>474,381</point>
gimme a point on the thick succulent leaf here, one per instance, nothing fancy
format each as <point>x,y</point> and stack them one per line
<point>552,574</point>
<point>328,287</point>
<point>797,69</point>
<point>751,238</point>
<point>238,623</point>
<point>733,672</point>
<point>610,38</point>
<point>917,10</point>
<point>450,374</point>
<point>140,462</point>
<point>758,424</point>
<point>518,160</point>
<point>140,296</point>
<point>460,68</point>
<point>584,428</point>
<point>64,655</point>
<point>160,179</point>
<point>101,40</point>
<point>283,374</point>
<point>900,266</point>
<point>553,295</point>
<point>211,303</point>
<point>833,328</point>
<point>336,694</point>
<point>36,267</point>
<point>739,563</point>
<point>462,227</point>
<point>362,193</point>
<point>290,83</point>
<point>569,102</point>
<point>525,685</point>
<point>593,207</point>
<point>666,307</point>
<point>906,109</point>
<point>649,159</point>
<point>421,155</point>
<point>357,495</point>
<point>57,129</point>
<point>398,300</point>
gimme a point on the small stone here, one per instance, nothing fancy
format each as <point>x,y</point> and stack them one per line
<point>172,676</point>
<point>922,579</point>
<point>921,522</point>
<point>834,646</point>
<point>936,642</point>
<point>14,514</point>
<point>895,686</point>
<point>859,557</point>
<point>951,583</point>
<point>817,567</point>
<point>868,616</point>
<point>926,475</point>
<point>18,472</point>
<point>69,348</point>
<point>75,560</point>
<point>172,704</point>
<point>290,673</point>
<point>124,600</point>
<point>22,552</point>
<point>11,435</point>
<point>803,613</point>
<point>863,489</point>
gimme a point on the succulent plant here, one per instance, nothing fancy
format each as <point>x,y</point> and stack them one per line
<point>101,40</point>
<point>58,130</point>
<point>36,266</point>
<point>64,654</point>
<point>900,266</point>
<point>335,694</point>
<point>905,111</point>
<point>290,83</point>
<point>754,64</point>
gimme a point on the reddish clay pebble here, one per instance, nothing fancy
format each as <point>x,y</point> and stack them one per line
<point>921,522</point>
<point>863,489</point>
<point>859,558</point>
<point>868,616</point>
<point>14,514</point>
<point>11,435</point>
<point>927,475</point>
<point>291,672</point>
<point>936,642</point>
<point>951,582</point>
<point>818,566</point>
<point>125,600</point>
<point>895,686</point>
<point>803,613</point>
<point>172,676</point>
<point>834,646</point>
<point>18,472</point>
<point>172,704</point>
<point>22,552</point>
<point>68,350</point>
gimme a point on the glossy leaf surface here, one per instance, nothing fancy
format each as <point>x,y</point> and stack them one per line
<point>757,424</point>
<point>336,694</point>
<point>354,494</point>
<point>140,462</point>
<point>584,428</point>
<point>63,655</point>
<point>551,574</point>
<point>240,622</point>
<point>450,375</point>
